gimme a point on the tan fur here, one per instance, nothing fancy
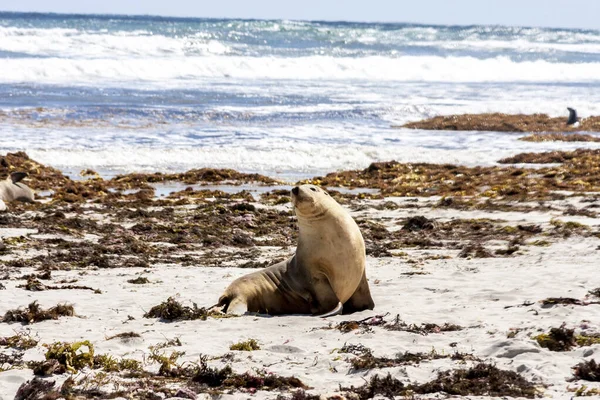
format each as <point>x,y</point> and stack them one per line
<point>328,267</point>
<point>13,189</point>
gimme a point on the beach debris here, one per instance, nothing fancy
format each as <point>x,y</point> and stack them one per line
<point>34,285</point>
<point>480,380</point>
<point>578,172</point>
<point>366,360</point>
<point>34,313</point>
<point>499,122</point>
<point>587,371</point>
<point>565,301</point>
<point>247,345</point>
<point>301,394</point>
<point>364,324</point>
<point>140,280</point>
<point>418,223</point>
<point>71,357</point>
<point>21,341</point>
<point>172,310</point>
<point>125,336</point>
<point>560,137</point>
<point>109,363</point>
<point>474,250</point>
<point>226,378</point>
<point>564,339</point>
<point>423,329</point>
<point>37,389</point>
<point>558,339</point>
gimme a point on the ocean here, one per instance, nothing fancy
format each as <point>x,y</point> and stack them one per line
<point>288,99</point>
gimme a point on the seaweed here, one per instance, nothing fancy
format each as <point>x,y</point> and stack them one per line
<point>172,310</point>
<point>20,341</point>
<point>35,285</point>
<point>367,360</point>
<point>558,339</point>
<point>560,137</point>
<point>34,313</point>
<point>423,329</point>
<point>587,371</point>
<point>500,122</point>
<point>140,280</point>
<point>125,336</point>
<point>579,173</point>
<point>226,378</point>
<point>211,377</point>
<point>111,364</point>
<point>299,394</point>
<point>418,223</point>
<point>387,386</point>
<point>11,360</point>
<point>71,357</point>
<point>563,339</point>
<point>356,349</point>
<point>474,250</point>
<point>247,345</point>
<point>553,301</point>
<point>364,324</point>
<point>548,157</point>
<point>479,380</point>
<point>37,389</point>
<point>168,364</point>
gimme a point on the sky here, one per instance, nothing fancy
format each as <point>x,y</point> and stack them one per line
<point>549,13</point>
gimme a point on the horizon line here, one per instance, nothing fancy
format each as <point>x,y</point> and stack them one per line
<point>175,17</point>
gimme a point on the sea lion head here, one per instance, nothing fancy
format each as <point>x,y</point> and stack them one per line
<point>311,201</point>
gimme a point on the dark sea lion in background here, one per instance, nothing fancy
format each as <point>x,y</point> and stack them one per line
<point>573,119</point>
<point>12,189</point>
<point>326,276</point>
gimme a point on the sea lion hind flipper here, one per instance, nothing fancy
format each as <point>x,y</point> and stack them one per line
<point>232,305</point>
<point>361,299</point>
<point>17,177</point>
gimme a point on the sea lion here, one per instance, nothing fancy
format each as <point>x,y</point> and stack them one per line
<point>326,276</point>
<point>573,118</point>
<point>11,189</point>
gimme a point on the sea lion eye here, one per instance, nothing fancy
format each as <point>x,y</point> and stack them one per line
<point>313,189</point>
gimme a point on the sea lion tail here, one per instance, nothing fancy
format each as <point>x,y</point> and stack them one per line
<point>336,311</point>
<point>16,177</point>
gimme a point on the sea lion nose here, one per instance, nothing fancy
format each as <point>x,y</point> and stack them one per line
<point>295,191</point>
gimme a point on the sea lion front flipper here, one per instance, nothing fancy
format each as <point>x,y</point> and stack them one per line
<point>324,299</point>
<point>336,311</point>
<point>361,299</point>
<point>17,177</point>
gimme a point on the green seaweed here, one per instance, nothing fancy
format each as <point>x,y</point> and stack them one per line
<point>246,345</point>
<point>72,356</point>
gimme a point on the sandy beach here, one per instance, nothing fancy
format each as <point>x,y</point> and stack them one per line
<point>461,284</point>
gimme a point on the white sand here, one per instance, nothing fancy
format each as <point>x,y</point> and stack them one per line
<point>470,292</point>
